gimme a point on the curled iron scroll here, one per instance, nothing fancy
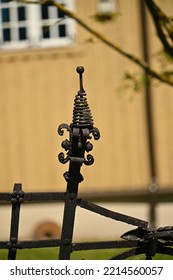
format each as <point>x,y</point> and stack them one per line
<point>65,144</point>
<point>89,160</point>
<point>63,159</point>
<point>95,132</point>
<point>62,127</point>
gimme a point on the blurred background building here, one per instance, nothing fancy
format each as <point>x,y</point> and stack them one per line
<point>40,49</point>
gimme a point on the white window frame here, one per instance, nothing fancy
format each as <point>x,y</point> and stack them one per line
<point>34,24</point>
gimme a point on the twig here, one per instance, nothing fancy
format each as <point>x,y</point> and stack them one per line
<point>152,73</point>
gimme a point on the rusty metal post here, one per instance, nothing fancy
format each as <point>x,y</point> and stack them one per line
<point>80,130</point>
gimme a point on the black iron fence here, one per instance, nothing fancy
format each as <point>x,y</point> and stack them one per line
<point>141,240</point>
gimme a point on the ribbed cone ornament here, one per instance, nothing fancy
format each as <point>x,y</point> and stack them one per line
<point>82,116</point>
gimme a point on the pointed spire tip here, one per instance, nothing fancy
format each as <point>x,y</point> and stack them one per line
<point>80,70</point>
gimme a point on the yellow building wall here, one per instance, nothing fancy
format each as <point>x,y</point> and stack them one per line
<point>37,92</point>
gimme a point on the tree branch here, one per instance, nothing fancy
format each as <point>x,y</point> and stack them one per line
<point>159,19</point>
<point>152,73</point>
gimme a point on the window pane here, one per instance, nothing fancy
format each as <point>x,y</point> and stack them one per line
<point>21,26</point>
<point>6,34</point>
<point>62,30</point>
<point>45,32</point>
<point>5,15</point>
<point>4,1</point>
<point>21,13</point>
<point>60,14</point>
<point>44,12</point>
<point>22,33</point>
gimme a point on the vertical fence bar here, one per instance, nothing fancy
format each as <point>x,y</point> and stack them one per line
<point>80,130</point>
<point>16,199</point>
<point>73,179</point>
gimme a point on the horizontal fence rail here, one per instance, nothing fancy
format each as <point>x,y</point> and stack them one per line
<point>139,241</point>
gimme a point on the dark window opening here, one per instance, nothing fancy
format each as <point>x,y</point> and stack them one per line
<point>5,1</point>
<point>62,30</point>
<point>5,15</point>
<point>44,12</point>
<point>22,33</point>
<point>46,32</point>
<point>60,14</point>
<point>6,34</point>
<point>21,13</point>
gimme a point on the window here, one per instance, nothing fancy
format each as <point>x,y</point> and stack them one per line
<point>33,25</point>
<point>106,6</point>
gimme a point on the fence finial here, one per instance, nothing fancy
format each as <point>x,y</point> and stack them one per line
<point>82,116</point>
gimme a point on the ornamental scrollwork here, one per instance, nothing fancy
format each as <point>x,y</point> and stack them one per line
<point>62,158</point>
<point>62,127</point>
<point>95,132</point>
<point>65,144</point>
<point>89,160</point>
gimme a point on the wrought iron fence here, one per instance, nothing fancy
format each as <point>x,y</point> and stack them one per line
<point>141,240</point>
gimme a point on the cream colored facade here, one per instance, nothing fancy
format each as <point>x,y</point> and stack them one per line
<point>37,92</point>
